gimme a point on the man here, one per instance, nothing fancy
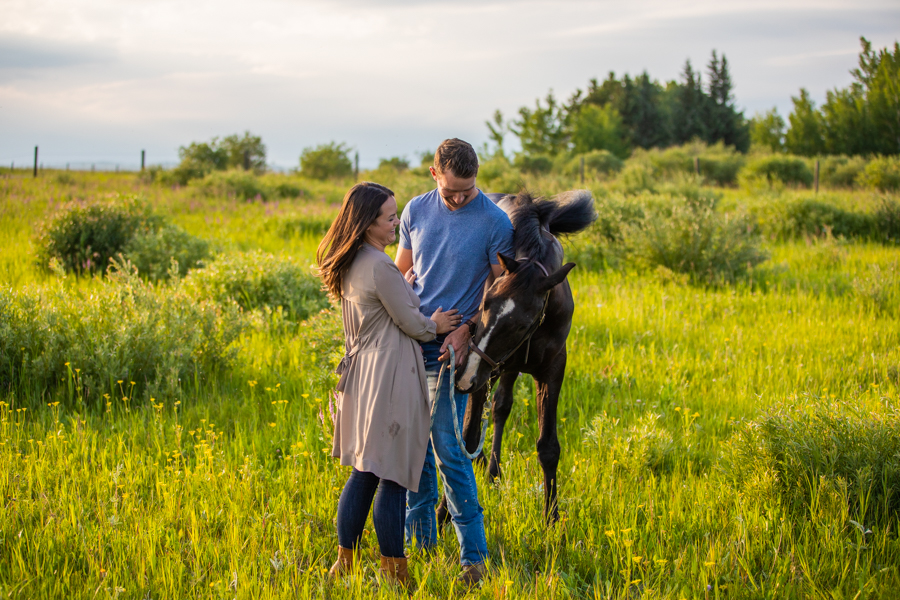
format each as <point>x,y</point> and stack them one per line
<point>449,240</point>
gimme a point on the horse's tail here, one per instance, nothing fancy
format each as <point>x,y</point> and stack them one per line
<point>570,212</point>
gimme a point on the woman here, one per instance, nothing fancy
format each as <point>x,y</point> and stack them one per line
<point>383,420</point>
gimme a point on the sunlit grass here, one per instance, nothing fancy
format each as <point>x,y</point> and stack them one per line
<point>228,489</point>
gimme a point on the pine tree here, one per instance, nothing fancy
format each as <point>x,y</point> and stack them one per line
<point>723,121</point>
<point>805,134</point>
<point>688,118</point>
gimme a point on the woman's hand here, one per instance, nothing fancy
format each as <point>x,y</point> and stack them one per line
<point>410,276</point>
<point>446,321</point>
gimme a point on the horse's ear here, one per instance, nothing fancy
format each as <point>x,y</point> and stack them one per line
<point>555,278</point>
<point>507,262</point>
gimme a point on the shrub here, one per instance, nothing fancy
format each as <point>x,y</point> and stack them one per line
<point>882,173</point>
<point>280,187</point>
<point>155,173</point>
<point>326,161</point>
<point>785,169</point>
<point>201,158</point>
<point>395,162</point>
<point>124,330</point>
<point>535,164</point>
<point>498,175</point>
<point>840,171</point>
<point>813,456</point>
<point>83,237</point>
<point>637,177</point>
<point>257,280</point>
<point>691,237</point>
<point>596,162</point>
<point>887,221</point>
<point>242,185</point>
<point>719,163</point>
<point>811,217</point>
<point>152,252</point>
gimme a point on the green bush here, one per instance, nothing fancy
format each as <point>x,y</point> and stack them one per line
<point>201,158</point>
<point>242,185</point>
<point>596,162</point>
<point>124,330</point>
<point>535,164</point>
<point>882,173</point>
<point>326,161</point>
<point>498,175</point>
<point>691,237</point>
<point>816,456</point>
<point>82,237</point>
<point>778,168</point>
<point>719,164</point>
<point>811,217</point>
<point>637,177</point>
<point>64,178</point>
<point>257,280</point>
<point>840,171</point>
<point>152,252</point>
<point>887,221</point>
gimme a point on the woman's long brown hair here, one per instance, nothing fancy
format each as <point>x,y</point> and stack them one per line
<point>360,208</point>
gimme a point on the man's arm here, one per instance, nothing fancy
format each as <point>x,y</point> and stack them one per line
<point>459,337</point>
<point>403,260</point>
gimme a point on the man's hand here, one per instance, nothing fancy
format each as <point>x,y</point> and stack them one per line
<point>459,337</point>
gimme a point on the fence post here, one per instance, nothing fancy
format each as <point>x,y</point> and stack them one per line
<point>356,166</point>
<point>816,179</point>
<point>35,160</point>
<point>697,165</point>
<point>143,156</point>
<point>582,169</point>
<point>246,160</point>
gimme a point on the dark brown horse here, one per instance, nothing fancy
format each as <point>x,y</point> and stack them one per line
<point>524,325</point>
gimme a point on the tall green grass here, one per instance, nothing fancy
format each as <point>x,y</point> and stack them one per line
<point>225,488</point>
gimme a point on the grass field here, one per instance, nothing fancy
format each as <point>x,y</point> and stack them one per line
<point>736,441</point>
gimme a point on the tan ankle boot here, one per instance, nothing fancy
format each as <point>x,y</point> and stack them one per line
<point>343,564</point>
<point>472,574</point>
<point>394,570</point>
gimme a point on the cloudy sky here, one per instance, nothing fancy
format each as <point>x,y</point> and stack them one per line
<point>100,80</point>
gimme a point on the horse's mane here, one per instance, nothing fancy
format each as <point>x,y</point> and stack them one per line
<point>566,214</point>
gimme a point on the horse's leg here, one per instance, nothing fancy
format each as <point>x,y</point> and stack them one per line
<point>472,422</point>
<point>548,442</point>
<point>503,401</point>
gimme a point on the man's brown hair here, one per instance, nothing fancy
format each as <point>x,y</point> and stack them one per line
<point>457,157</point>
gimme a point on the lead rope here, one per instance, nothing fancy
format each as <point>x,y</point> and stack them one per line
<point>487,405</point>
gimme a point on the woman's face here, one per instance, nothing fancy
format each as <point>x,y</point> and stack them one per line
<point>383,231</point>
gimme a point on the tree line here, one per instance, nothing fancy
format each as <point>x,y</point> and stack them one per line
<point>861,119</point>
<point>621,114</point>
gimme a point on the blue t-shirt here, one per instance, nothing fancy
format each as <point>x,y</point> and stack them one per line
<point>453,250</point>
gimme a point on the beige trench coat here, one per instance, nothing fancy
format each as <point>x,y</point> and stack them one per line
<point>383,419</point>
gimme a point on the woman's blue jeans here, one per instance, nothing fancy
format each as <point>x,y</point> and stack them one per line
<point>456,472</point>
<point>388,516</point>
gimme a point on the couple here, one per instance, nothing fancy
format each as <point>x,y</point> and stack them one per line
<point>449,240</point>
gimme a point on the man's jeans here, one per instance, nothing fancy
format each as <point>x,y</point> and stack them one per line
<point>456,471</point>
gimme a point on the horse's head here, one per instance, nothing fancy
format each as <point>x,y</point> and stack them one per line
<point>512,310</point>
